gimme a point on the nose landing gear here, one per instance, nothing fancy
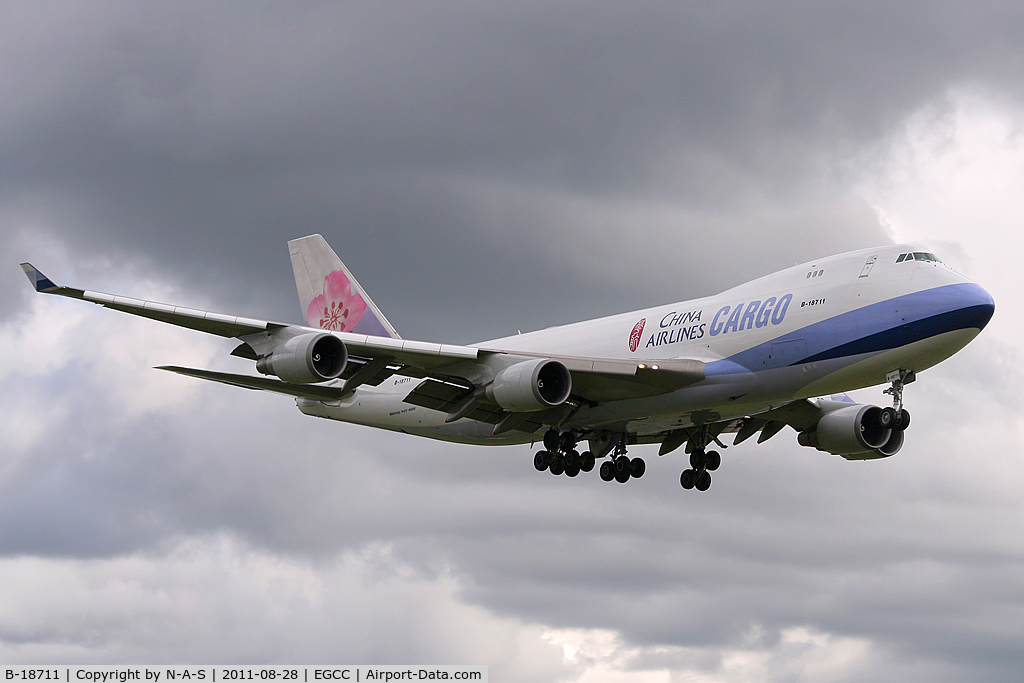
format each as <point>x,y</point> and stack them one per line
<point>898,416</point>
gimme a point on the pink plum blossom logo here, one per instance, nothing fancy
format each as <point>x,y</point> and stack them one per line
<point>338,308</point>
<point>634,336</point>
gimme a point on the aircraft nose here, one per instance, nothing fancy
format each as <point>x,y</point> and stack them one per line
<point>977,306</point>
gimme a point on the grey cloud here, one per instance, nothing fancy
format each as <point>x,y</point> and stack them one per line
<point>786,538</point>
<point>166,129</point>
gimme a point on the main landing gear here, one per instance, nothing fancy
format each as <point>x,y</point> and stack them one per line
<point>621,467</point>
<point>703,463</point>
<point>561,457</point>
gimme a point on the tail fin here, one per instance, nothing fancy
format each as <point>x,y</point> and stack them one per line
<point>330,297</point>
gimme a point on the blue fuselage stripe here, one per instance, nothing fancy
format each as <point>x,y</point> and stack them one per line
<point>879,327</point>
<point>961,319</point>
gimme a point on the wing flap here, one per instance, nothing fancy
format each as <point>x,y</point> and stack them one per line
<point>444,396</point>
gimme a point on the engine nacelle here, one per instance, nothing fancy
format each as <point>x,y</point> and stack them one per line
<point>530,386</point>
<point>306,359</point>
<point>855,432</point>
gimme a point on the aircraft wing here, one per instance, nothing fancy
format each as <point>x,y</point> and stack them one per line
<point>376,357</point>
<point>418,354</point>
<point>603,379</point>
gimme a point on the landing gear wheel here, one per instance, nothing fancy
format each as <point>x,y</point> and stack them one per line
<point>887,418</point>
<point>572,461</point>
<point>704,481</point>
<point>904,419</point>
<point>622,466</point>
<point>607,471</point>
<point>698,459</point>
<point>551,440</point>
<point>622,477</point>
<point>712,461</point>
<point>637,467</point>
<point>688,479</point>
<point>572,469</point>
<point>557,465</point>
<point>567,441</point>
<point>587,461</point>
<point>541,460</point>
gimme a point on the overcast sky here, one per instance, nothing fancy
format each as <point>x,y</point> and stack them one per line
<point>483,169</point>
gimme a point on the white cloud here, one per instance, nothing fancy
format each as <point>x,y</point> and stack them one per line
<point>214,599</point>
<point>953,179</point>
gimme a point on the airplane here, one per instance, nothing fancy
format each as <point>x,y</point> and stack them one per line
<point>778,351</point>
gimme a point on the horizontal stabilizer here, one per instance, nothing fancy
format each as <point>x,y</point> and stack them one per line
<point>311,391</point>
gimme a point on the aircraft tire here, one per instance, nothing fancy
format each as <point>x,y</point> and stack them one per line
<point>551,440</point>
<point>557,465</point>
<point>703,481</point>
<point>904,420</point>
<point>541,460</point>
<point>567,441</point>
<point>621,465</point>
<point>687,479</point>
<point>698,459</point>
<point>572,460</point>
<point>637,467</point>
<point>622,477</point>
<point>712,460</point>
<point>572,470</point>
<point>587,461</point>
<point>607,471</point>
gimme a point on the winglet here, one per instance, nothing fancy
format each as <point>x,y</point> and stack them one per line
<point>38,280</point>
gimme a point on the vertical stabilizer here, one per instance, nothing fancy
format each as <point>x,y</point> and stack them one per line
<point>330,297</point>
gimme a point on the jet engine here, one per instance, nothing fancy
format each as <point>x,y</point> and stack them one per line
<point>306,359</point>
<point>856,432</point>
<point>530,386</point>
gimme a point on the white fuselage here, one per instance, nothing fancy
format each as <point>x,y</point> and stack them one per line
<point>824,327</point>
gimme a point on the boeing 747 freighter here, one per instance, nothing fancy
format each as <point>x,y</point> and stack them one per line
<point>778,351</point>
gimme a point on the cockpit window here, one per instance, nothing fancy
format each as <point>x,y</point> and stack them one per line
<point>917,256</point>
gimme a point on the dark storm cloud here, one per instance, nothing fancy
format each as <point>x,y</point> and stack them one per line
<point>206,139</point>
